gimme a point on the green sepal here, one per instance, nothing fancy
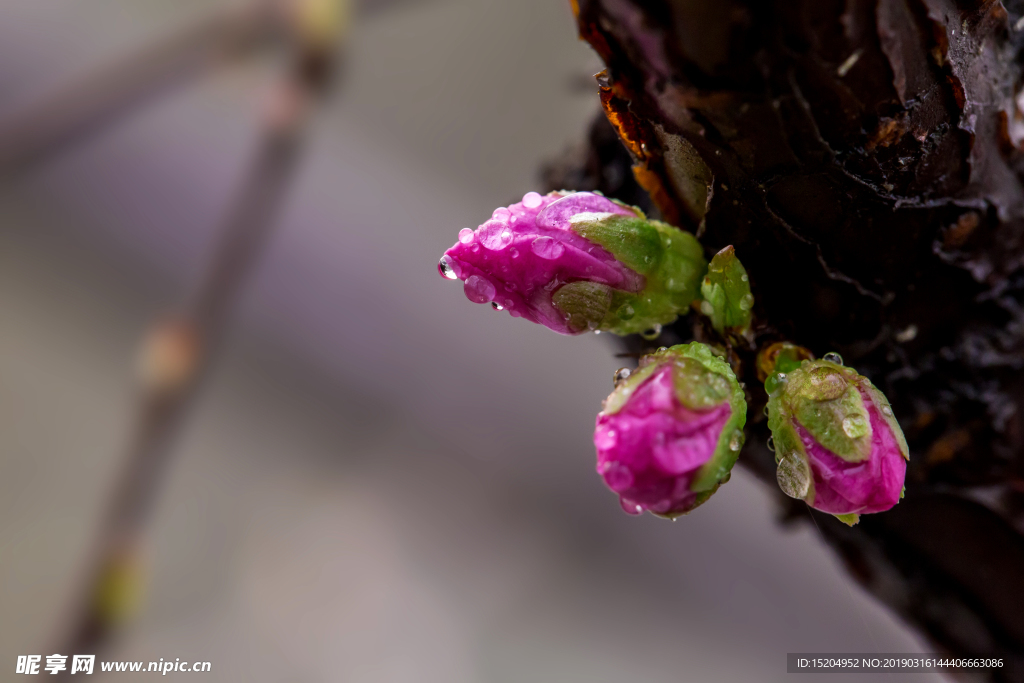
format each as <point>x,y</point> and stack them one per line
<point>849,519</point>
<point>671,261</point>
<point>726,291</point>
<point>823,397</point>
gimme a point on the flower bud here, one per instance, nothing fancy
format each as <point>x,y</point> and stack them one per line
<point>578,261</point>
<point>837,444</point>
<point>671,431</point>
<point>726,290</point>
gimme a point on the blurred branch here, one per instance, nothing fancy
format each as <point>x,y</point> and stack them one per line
<point>101,97</point>
<point>179,349</point>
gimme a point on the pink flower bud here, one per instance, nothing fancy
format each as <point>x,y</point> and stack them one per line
<point>671,431</point>
<point>837,444</point>
<point>578,261</point>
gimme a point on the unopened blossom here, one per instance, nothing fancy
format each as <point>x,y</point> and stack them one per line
<point>837,444</point>
<point>578,261</point>
<point>671,431</point>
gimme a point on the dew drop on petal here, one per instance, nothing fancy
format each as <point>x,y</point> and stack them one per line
<point>736,441</point>
<point>833,357</point>
<point>465,235</point>
<point>495,235</point>
<point>621,375</point>
<point>617,476</point>
<point>887,411</point>
<point>446,268</point>
<point>514,252</point>
<point>630,507</point>
<point>547,248</point>
<point>478,290</point>
<point>744,277</point>
<point>531,200</point>
<point>746,302</point>
<point>653,333</point>
<point>855,426</point>
<point>501,214</point>
<point>625,312</point>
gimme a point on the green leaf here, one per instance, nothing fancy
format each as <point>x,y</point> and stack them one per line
<point>726,291</point>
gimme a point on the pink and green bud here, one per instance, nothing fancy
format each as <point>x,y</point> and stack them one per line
<point>671,431</point>
<point>837,445</point>
<point>578,261</point>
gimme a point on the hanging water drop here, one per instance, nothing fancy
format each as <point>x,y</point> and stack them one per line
<point>771,444</point>
<point>621,375</point>
<point>833,357</point>
<point>630,507</point>
<point>496,306</point>
<point>794,476</point>
<point>653,333</point>
<point>447,268</point>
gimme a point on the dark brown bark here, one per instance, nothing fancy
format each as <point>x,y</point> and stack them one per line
<point>865,160</point>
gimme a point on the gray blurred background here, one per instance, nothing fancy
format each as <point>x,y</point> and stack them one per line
<point>381,482</point>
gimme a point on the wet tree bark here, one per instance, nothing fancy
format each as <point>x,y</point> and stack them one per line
<point>865,159</point>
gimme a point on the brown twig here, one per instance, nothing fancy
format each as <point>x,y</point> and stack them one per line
<point>178,350</point>
<point>101,97</point>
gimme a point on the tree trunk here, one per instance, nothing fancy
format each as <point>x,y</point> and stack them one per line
<point>865,160</point>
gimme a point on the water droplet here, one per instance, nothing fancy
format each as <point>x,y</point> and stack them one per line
<point>617,476</point>
<point>478,290</point>
<point>744,277</point>
<point>647,259</point>
<point>465,235</point>
<point>596,331</point>
<point>547,248</point>
<point>514,252</point>
<point>771,444</point>
<point>496,306</point>
<point>621,375</point>
<point>766,413</point>
<point>855,426</point>
<point>630,507</point>
<point>447,268</point>
<point>794,476</point>
<point>474,247</point>
<point>653,333</point>
<point>531,200</point>
<point>746,302</point>
<point>887,411</point>
<point>674,285</point>
<point>833,357</point>
<point>662,349</point>
<point>736,441</point>
<point>501,214</point>
<point>495,235</point>
<point>775,383</point>
<point>625,312</point>
<point>706,308</point>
